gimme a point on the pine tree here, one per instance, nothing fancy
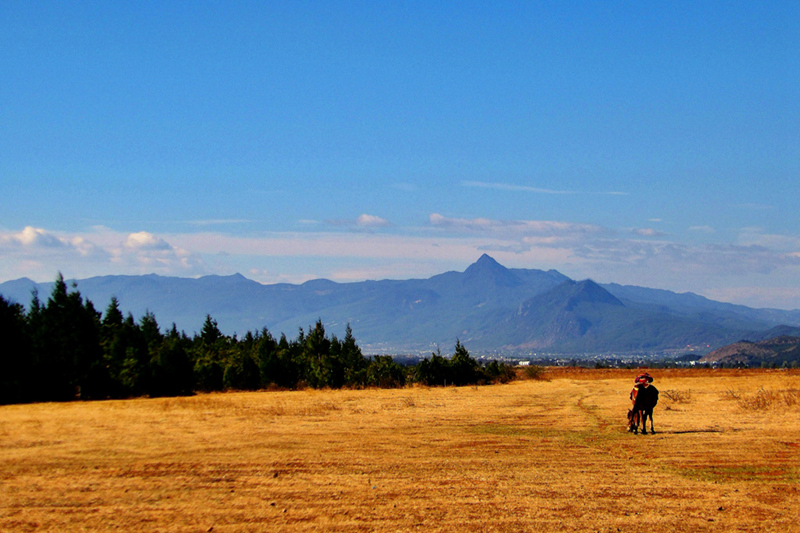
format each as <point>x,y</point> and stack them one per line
<point>316,355</point>
<point>354,363</point>
<point>67,348</point>
<point>15,356</point>
<point>210,352</point>
<point>462,366</point>
<point>172,369</point>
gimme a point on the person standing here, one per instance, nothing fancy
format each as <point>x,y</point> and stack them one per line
<point>645,400</point>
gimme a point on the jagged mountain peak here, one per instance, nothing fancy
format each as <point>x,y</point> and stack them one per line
<point>487,270</point>
<point>589,291</point>
<point>485,260</point>
<point>571,293</point>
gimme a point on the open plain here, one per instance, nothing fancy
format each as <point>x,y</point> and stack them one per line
<point>531,455</point>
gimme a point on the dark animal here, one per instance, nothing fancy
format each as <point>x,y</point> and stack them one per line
<point>643,403</point>
<point>633,420</point>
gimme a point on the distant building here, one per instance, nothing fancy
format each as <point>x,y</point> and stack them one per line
<point>524,363</point>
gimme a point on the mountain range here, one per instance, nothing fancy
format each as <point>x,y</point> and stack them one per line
<point>489,307</point>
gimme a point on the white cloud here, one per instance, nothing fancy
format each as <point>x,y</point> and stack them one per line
<point>84,247</point>
<point>648,232</point>
<point>146,241</point>
<point>362,223</point>
<point>40,254</point>
<point>33,237</point>
<point>371,221</point>
<point>145,252</point>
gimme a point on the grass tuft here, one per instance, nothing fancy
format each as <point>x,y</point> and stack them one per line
<point>767,399</point>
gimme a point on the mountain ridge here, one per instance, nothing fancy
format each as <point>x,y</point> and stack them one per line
<point>781,350</point>
<point>488,307</point>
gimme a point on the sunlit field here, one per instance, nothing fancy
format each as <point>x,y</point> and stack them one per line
<point>544,455</point>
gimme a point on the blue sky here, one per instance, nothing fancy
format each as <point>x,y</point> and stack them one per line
<point>630,142</point>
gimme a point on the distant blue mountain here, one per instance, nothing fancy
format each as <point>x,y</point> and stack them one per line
<point>489,307</point>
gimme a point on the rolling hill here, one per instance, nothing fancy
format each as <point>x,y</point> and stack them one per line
<point>777,351</point>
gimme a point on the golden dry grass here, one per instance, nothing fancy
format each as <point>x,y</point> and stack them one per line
<point>547,455</point>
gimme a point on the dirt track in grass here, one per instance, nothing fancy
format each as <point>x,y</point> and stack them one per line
<point>527,456</point>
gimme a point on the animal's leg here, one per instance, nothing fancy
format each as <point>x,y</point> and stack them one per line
<point>644,422</point>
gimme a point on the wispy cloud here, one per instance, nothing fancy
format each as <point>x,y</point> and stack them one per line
<point>362,222</point>
<point>527,227</point>
<point>526,188</point>
<point>702,229</point>
<point>648,232</point>
<point>758,237</point>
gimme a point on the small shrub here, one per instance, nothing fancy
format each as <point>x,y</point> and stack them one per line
<point>764,399</point>
<point>534,372</point>
<point>678,396</point>
<point>731,394</point>
<point>499,372</point>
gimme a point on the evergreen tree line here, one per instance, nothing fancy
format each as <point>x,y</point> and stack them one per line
<point>64,349</point>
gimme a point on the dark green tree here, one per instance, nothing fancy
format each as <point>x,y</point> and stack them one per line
<point>500,372</point>
<point>319,364</point>
<point>15,356</point>
<point>67,350</point>
<point>171,368</point>
<point>210,352</point>
<point>353,361</point>
<point>135,373</point>
<point>433,371</point>
<point>463,368</point>
<point>113,345</point>
<point>242,371</point>
<point>276,361</point>
<point>382,371</point>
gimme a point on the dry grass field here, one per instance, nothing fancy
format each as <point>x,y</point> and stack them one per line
<point>550,455</point>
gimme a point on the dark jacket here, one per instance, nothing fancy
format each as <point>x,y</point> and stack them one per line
<point>646,399</point>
